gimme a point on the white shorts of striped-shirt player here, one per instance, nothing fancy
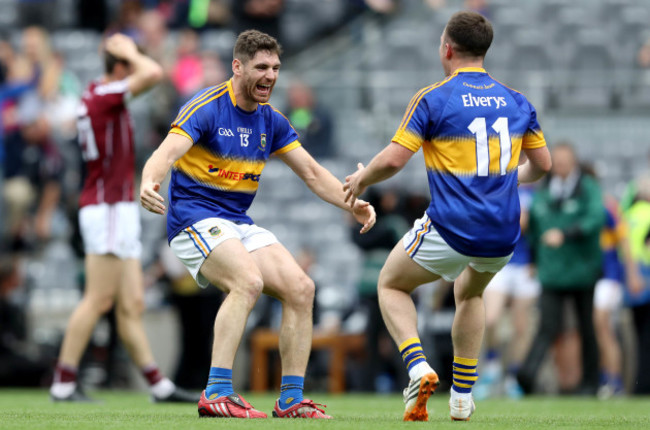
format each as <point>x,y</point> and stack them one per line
<point>516,280</point>
<point>193,244</point>
<point>111,229</point>
<point>426,247</point>
<point>608,295</point>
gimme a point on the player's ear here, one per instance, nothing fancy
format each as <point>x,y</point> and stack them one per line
<point>448,51</point>
<point>237,66</point>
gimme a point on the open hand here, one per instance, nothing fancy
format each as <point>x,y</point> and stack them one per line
<point>364,213</point>
<point>150,199</point>
<point>353,187</point>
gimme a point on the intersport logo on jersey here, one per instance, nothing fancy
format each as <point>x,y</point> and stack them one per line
<point>470,100</point>
<point>235,176</point>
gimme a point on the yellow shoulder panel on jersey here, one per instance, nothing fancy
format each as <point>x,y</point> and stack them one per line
<point>205,95</point>
<point>178,130</point>
<point>287,148</point>
<point>418,97</point>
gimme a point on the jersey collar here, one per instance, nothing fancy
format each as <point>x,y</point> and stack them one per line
<point>231,92</point>
<point>470,69</point>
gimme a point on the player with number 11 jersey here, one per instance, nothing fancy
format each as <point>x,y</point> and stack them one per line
<point>472,129</point>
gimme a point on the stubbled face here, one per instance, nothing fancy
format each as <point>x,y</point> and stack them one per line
<point>258,76</point>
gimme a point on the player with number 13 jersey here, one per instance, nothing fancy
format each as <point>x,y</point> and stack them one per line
<point>220,174</point>
<point>472,129</point>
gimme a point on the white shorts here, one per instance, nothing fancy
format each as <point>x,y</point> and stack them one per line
<point>194,243</point>
<point>608,295</point>
<point>514,280</point>
<point>111,229</point>
<point>426,247</point>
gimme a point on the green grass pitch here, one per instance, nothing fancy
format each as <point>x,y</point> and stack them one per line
<point>32,409</point>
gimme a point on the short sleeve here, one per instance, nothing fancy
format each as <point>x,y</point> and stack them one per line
<point>284,137</point>
<point>533,137</point>
<point>412,130</point>
<point>191,120</point>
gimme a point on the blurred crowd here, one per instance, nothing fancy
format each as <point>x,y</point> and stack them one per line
<point>576,236</point>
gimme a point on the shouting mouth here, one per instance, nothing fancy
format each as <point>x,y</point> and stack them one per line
<point>263,89</point>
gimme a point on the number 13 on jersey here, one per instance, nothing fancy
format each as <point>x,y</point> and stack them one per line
<point>478,127</point>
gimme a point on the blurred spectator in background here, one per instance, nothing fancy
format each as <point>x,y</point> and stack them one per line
<point>643,56</point>
<point>128,16</point>
<point>19,366</point>
<point>153,36</point>
<point>383,7</point>
<point>436,4</point>
<point>384,364</point>
<point>11,88</point>
<point>515,285</point>
<point>33,163</point>
<point>214,71</point>
<point>566,218</point>
<point>152,110</point>
<point>262,15</point>
<point>480,6</point>
<point>187,71</point>
<point>608,297</point>
<point>631,192</point>
<point>638,220</point>
<point>312,121</point>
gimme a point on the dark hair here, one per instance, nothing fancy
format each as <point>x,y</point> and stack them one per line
<point>110,61</point>
<point>470,33</point>
<point>250,42</point>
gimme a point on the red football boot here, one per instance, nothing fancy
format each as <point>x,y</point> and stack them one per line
<point>305,409</point>
<point>232,406</point>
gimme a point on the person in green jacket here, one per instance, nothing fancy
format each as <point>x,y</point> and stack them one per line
<point>566,218</point>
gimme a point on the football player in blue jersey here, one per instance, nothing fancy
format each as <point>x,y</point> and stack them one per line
<point>472,130</point>
<point>217,148</point>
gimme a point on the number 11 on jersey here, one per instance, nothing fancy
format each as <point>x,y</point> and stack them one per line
<point>478,128</point>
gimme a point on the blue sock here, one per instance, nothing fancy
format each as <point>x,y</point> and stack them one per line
<point>492,354</point>
<point>219,383</point>
<point>291,391</point>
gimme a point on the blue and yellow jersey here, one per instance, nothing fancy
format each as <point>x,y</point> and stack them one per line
<point>471,129</point>
<point>219,175</point>
<point>613,233</point>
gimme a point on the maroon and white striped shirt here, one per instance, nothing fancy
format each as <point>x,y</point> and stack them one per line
<point>106,139</point>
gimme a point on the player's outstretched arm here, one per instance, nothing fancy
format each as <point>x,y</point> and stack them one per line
<point>146,72</point>
<point>325,185</point>
<point>156,168</point>
<point>537,165</point>
<point>384,165</point>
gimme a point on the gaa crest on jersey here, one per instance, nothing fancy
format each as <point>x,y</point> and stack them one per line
<point>215,231</point>
<point>262,146</point>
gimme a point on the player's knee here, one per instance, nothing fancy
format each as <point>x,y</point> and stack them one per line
<point>131,309</point>
<point>302,293</point>
<point>250,288</point>
<point>102,304</point>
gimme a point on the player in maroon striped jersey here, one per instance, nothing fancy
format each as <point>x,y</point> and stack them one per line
<point>110,223</point>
